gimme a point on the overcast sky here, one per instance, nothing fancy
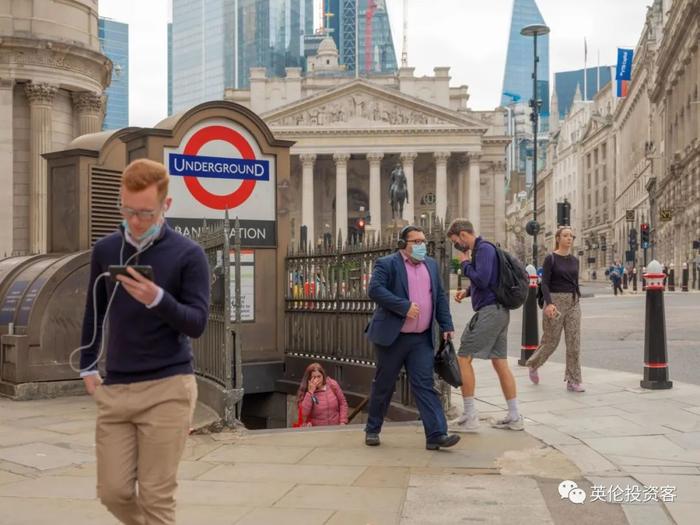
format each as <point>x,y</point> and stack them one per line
<point>470,36</point>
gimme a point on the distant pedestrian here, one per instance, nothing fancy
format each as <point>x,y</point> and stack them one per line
<point>410,299</point>
<point>320,399</point>
<point>562,310</point>
<point>486,335</point>
<point>616,279</point>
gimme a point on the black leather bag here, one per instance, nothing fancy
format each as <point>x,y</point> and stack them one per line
<point>446,364</point>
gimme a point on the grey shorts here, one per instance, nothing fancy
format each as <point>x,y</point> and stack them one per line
<point>486,335</point>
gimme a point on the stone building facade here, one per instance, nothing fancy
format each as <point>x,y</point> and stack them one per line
<point>674,89</point>
<point>350,133</point>
<point>52,78</point>
<point>598,185</point>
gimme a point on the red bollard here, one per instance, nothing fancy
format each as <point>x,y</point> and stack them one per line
<point>655,354</point>
<point>530,338</point>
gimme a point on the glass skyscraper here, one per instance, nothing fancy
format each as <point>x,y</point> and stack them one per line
<point>114,42</point>
<point>375,46</point>
<point>517,88</point>
<point>565,83</point>
<point>517,79</point>
<point>216,42</point>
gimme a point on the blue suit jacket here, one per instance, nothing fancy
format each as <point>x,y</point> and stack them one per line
<point>389,289</point>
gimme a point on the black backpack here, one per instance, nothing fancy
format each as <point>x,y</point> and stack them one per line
<point>513,281</point>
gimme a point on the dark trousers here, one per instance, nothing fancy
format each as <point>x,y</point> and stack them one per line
<point>415,352</point>
<point>616,287</point>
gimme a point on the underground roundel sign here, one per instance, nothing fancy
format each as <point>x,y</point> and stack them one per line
<point>217,166</point>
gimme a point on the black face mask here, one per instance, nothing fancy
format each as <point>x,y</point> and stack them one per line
<point>460,247</point>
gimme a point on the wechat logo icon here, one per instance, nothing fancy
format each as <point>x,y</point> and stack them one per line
<point>569,490</point>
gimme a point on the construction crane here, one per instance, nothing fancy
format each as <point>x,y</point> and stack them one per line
<point>369,54</point>
<point>404,48</point>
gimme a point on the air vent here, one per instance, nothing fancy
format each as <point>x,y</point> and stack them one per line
<point>104,199</point>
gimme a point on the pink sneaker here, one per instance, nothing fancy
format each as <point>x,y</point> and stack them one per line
<point>575,387</point>
<point>534,376</point>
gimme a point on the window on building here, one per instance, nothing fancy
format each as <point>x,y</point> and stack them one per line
<point>596,177</point>
<point>603,151</point>
<point>589,201</point>
<point>588,161</point>
<point>596,197</point>
<point>595,156</point>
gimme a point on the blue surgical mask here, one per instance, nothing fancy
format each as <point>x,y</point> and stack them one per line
<point>419,252</point>
<point>148,235</point>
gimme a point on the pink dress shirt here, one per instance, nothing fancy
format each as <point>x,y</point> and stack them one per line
<point>419,292</point>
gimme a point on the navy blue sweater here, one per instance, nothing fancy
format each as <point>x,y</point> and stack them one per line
<point>145,344</point>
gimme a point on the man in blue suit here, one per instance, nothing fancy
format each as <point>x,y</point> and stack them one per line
<point>409,295</point>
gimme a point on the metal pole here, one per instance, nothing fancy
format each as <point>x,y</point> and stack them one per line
<point>534,151</point>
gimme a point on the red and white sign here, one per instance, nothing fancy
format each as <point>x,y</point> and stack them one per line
<point>212,151</point>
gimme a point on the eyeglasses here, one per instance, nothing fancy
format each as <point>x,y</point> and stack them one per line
<point>143,215</point>
<point>416,241</point>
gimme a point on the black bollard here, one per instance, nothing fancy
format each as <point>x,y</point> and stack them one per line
<point>644,281</point>
<point>672,280</point>
<point>624,280</point>
<point>684,278</point>
<point>531,337</point>
<point>634,280</point>
<point>655,354</point>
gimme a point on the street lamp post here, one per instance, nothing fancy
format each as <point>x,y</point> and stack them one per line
<point>534,30</point>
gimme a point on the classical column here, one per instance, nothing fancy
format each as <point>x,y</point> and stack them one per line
<point>441,183</point>
<point>375,190</point>
<point>307,195</point>
<point>500,201</point>
<point>463,185</point>
<point>6,168</point>
<point>407,160</point>
<point>474,208</point>
<point>40,97</point>
<point>88,106</point>
<point>341,194</point>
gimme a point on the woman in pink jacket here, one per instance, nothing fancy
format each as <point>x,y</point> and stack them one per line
<point>320,399</point>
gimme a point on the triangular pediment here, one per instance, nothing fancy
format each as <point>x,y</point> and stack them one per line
<point>360,103</point>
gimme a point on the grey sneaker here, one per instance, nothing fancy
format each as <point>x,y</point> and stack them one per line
<point>506,424</point>
<point>465,424</point>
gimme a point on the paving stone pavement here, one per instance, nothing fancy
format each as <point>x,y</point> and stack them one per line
<point>608,440</point>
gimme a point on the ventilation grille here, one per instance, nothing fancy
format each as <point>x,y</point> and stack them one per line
<point>104,201</point>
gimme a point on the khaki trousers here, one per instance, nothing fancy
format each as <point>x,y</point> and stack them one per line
<point>570,322</point>
<point>140,435</point>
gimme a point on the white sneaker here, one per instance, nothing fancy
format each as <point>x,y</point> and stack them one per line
<point>506,424</point>
<point>465,424</point>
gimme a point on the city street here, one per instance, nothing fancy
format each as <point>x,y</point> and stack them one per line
<point>613,332</point>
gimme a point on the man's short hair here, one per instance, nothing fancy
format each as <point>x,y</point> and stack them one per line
<point>143,173</point>
<point>460,225</point>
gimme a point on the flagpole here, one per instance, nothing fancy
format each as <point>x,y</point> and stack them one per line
<point>598,73</point>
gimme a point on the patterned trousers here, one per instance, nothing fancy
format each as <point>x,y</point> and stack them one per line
<point>570,322</point>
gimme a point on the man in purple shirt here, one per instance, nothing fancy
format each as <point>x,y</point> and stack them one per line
<point>486,335</point>
<point>410,298</point>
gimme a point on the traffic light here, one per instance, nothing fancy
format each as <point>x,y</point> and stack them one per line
<point>564,213</point>
<point>644,235</point>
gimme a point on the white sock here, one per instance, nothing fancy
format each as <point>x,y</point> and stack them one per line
<point>469,409</point>
<point>513,414</point>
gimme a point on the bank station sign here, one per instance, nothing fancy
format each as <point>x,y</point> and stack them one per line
<point>218,166</point>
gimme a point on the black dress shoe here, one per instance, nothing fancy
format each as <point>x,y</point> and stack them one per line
<point>372,439</point>
<point>444,441</point>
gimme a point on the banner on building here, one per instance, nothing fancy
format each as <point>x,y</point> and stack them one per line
<point>623,72</point>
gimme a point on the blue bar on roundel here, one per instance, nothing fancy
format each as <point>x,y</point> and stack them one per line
<point>218,167</point>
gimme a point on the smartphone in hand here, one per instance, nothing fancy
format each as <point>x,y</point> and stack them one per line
<point>144,269</point>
